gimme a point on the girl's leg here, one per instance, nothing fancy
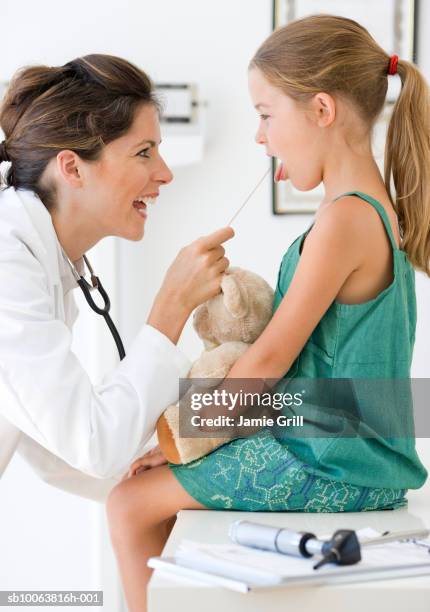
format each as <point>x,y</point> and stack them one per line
<point>141,512</point>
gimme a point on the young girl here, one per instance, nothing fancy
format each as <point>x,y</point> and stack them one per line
<point>345,301</point>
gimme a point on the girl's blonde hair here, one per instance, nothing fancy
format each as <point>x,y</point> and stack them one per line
<point>338,56</point>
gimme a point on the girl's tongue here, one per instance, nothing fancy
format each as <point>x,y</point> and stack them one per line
<point>281,173</point>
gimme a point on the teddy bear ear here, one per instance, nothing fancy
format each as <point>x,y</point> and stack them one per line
<point>235,296</point>
<point>201,321</point>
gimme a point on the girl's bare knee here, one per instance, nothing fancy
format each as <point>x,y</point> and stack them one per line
<point>121,509</point>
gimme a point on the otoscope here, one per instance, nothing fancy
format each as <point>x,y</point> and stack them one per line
<point>344,547</point>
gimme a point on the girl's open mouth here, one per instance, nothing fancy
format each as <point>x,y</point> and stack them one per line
<point>280,174</point>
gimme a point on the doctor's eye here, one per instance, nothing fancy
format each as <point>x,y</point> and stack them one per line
<point>143,153</point>
<point>264,117</point>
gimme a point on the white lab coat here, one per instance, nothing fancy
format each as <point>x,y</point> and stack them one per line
<point>76,436</point>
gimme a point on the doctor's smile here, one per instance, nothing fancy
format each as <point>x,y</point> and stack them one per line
<point>125,181</point>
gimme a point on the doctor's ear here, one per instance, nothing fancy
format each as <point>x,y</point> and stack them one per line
<point>68,167</point>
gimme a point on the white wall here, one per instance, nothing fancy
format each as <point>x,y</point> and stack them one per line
<point>51,539</point>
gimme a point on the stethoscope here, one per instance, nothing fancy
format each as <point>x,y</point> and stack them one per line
<point>86,289</point>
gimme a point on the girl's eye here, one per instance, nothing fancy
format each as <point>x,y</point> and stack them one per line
<point>264,117</point>
<point>144,152</point>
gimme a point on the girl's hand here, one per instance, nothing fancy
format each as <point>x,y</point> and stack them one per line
<point>152,458</point>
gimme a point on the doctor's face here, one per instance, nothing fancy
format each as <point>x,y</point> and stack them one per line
<point>287,131</point>
<point>125,181</point>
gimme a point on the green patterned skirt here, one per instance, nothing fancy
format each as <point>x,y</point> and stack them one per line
<point>259,474</point>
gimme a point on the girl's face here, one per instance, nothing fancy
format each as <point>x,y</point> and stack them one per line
<point>113,193</point>
<point>288,132</point>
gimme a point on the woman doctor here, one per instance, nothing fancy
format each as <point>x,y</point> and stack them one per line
<point>82,141</point>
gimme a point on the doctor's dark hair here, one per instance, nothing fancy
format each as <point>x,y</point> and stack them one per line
<point>338,56</point>
<point>81,106</point>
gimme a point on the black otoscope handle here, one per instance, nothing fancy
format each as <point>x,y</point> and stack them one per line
<point>342,549</point>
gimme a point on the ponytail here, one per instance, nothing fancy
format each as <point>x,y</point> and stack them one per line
<point>407,160</point>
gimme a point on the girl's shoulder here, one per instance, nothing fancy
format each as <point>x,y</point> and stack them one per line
<point>339,220</point>
<point>366,223</point>
<point>366,206</point>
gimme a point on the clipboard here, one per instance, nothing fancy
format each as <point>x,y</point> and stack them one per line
<point>172,567</point>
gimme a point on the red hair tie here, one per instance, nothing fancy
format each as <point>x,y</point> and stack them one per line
<point>392,68</point>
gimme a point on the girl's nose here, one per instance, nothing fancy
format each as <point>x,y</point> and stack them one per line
<point>260,138</point>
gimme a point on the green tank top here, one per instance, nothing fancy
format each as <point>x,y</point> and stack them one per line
<point>355,343</point>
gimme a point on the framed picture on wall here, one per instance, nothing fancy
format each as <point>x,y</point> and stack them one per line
<point>393,24</point>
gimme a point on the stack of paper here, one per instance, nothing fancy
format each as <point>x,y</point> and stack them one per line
<point>242,568</point>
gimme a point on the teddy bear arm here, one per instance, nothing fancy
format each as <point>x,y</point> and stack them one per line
<point>218,362</point>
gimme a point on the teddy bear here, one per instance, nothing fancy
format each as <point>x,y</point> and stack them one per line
<point>228,324</point>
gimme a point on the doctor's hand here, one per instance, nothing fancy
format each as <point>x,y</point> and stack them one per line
<point>193,277</point>
<point>152,458</point>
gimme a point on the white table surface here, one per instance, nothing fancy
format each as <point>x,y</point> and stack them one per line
<point>167,593</point>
